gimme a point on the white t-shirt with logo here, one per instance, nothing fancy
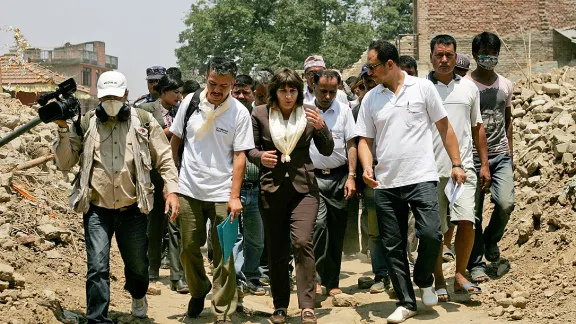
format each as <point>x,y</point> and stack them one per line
<point>462,103</point>
<point>207,163</point>
<point>401,127</point>
<point>340,121</point>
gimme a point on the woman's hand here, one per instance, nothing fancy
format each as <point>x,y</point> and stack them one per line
<point>269,159</point>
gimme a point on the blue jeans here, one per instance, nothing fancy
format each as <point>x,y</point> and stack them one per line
<point>250,243</point>
<point>375,243</point>
<point>502,196</point>
<point>130,228</point>
<point>392,207</point>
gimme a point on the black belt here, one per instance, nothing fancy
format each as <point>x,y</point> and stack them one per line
<point>324,172</point>
<point>122,209</point>
<point>250,184</point>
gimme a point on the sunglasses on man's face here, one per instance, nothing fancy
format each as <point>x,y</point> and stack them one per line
<point>373,66</point>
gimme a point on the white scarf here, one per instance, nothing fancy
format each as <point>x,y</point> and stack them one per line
<point>285,136</point>
<point>210,113</point>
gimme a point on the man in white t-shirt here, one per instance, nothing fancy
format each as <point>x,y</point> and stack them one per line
<point>398,116</point>
<point>462,103</point>
<point>312,65</point>
<point>335,175</point>
<point>212,168</point>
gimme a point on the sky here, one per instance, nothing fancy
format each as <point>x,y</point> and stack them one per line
<point>140,33</point>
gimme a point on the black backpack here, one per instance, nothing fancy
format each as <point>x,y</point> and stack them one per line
<point>192,107</point>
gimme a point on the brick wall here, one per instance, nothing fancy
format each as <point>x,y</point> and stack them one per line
<point>466,18</point>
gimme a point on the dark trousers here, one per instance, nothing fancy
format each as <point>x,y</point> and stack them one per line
<point>502,195</point>
<point>352,243</point>
<point>157,225</point>
<point>100,225</point>
<point>330,228</point>
<point>392,211</point>
<point>289,216</point>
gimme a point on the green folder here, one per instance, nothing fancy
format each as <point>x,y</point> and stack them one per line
<point>227,234</point>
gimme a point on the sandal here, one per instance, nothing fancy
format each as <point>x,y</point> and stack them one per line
<point>442,294</point>
<point>309,317</point>
<point>334,291</point>
<point>278,317</point>
<point>478,275</point>
<point>465,289</point>
<point>448,255</point>
<point>319,290</point>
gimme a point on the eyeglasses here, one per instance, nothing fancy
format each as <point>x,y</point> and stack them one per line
<point>373,66</point>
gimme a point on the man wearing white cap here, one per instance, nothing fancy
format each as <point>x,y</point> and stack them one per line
<point>117,146</point>
<point>312,65</point>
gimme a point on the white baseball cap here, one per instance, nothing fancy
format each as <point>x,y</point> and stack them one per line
<point>112,83</point>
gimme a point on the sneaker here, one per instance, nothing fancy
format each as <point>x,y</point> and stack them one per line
<point>265,281</point>
<point>400,315</point>
<point>381,284</point>
<point>255,287</point>
<point>139,307</point>
<point>429,297</point>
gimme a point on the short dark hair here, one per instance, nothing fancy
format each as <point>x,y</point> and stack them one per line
<point>351,80</point>
<point>285,77</point>
<point>190,86</point>
<point>222,66</point>
<point>486,40</point>
<point>385,50</point>
<point>328,74</point>
<point>408,61</point>
<point>168,82</point>
<point>175,72</point>
<point>243,80</point>
<point>444,40</point>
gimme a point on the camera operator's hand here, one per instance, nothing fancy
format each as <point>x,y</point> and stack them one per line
<point>61,123</point>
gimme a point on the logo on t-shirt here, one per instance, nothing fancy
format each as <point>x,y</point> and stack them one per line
<point>222,130</point>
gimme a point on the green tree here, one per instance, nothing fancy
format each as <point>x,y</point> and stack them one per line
<point>273,33</point>
<point>392,17</point>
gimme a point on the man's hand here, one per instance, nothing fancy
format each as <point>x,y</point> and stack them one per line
<point>269,159</point>
<point>458,176</point>
<point>314,118</point>
<point>349,188</point>
<point>61,123</point>
<point>485,177</point>
<point>234,208</point>
<point>173,204</point>
<point>368,177</point>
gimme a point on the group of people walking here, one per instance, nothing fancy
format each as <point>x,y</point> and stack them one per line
<point>289,155</point>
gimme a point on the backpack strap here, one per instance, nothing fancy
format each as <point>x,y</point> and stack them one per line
<point>192,107</point>
<point>144,117</point>
<point>85,121</point>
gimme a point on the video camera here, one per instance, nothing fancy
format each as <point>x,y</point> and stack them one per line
<point>62,107</point>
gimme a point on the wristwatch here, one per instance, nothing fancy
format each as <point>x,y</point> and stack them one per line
<point>352,174</point>
<point>457,166</point>
<point>63,130</point>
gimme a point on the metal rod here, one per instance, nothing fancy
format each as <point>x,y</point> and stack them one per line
<point>19,131</point>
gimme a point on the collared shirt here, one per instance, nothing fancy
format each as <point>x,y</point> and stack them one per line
<point>143,99</point>
<point>461,100</point>
<point>493,102</point>
<point>309,97</point>
<point>113,177</point>
<point>252,171</point>
<point>340,121</point>
<point>207,163</point>
<point>401,128</point>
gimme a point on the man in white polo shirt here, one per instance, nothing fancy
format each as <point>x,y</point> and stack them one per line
<point>397,117</point>
<point>335,175</point>
<point>211,172</point>
<point>312,65</point>
<point>462,103</point>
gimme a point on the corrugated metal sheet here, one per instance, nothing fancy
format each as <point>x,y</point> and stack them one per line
<point>569,33</point>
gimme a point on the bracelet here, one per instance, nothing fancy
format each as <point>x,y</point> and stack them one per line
<point>457,166</point>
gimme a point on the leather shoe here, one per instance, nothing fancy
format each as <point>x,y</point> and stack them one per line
<point>196,305</point>
<point>179,286</point>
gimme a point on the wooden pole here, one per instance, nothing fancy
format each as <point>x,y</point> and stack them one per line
<point>530,59</point>
<point>35,162</point>
<point>510,51</point>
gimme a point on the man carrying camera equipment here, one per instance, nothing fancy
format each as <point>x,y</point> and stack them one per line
<point>118,148</point>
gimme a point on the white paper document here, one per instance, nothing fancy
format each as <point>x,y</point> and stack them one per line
<point>453,192</point>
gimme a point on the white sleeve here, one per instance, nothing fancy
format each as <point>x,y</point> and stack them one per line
<point>349,125</point>
<point>365,124</point>
<point>475,114</point>
<point>342,97</point>
<point>244,135</point>
<point>434,105</point>
<point>177,127</point>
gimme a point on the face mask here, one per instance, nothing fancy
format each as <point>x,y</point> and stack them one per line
<point>112,107</point>
<point>487,62</point>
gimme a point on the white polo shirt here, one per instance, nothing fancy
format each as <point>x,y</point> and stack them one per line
<point>401,127</point>
<point>207,163</point>
<point>461,100</point>
<point>340,121</point>
<point>309,97</point>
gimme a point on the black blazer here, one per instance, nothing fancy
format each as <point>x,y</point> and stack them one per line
<point>300,169</point>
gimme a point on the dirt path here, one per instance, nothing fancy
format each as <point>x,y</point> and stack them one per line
<point>170,307</point>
